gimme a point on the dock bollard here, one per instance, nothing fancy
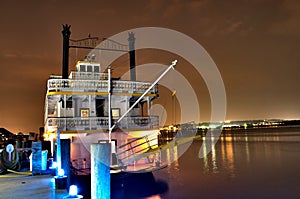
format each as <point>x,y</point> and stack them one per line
<point>61,180</point>
<point>53,168</point>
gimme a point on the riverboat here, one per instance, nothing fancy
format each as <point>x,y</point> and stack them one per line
<point>89,106</point>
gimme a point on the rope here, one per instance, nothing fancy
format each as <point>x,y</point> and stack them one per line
<point>16,174</point>
<point>20,172</point>
<point>14,164</point>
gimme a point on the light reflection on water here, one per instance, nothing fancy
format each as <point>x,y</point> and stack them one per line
<point>172,157</point>
<point>242,165</point>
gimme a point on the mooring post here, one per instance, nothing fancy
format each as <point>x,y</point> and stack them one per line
<point>36,158</point>
<point>100,170</point>
<point>66,159</point>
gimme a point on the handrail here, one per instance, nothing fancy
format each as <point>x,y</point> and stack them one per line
<point>102,122</point>
<point>131,149</point>
<point>120,86</point>
<point>147,141</point>
<point>87,76</point>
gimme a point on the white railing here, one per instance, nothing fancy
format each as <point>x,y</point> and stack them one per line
<point>149,122</point>
<point>118,86</point>
<point>101,123</point>
<point>88,76</point>
<point>131,87</point>
<point>76,85</point>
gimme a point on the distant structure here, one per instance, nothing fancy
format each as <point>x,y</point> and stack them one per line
<point>5,136</point>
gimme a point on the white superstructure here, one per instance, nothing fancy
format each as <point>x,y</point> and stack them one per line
<point>78,108</point>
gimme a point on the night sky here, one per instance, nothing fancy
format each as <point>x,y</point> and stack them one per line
<point>254,43</point>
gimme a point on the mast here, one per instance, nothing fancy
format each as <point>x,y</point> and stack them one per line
<point>131,41</point>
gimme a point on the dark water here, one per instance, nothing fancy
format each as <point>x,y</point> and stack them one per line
<point>242,165</point>
<point>251,165</point>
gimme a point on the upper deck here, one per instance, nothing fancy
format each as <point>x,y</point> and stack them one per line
<point>88,78</point>
<point>101,85</point>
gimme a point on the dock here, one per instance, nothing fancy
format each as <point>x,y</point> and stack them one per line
<point>27,186</point>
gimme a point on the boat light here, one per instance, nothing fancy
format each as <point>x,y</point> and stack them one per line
<point>61,172</point>
<point>54,165</point>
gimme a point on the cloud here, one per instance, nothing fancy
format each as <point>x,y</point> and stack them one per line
<point>21,55</point>
<point>289,22</point>
<point>104,12</point>
<point>171,9</point>
<point>10,55</point>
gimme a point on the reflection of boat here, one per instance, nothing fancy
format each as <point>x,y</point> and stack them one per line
<point>126,185</point>
<point>82,106</point>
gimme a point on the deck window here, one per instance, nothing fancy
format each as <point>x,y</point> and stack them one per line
<point>89,68</point>
<point>82,68</point>
<point>96,69</point>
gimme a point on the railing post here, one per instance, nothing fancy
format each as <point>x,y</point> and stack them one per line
<point>109,104</point>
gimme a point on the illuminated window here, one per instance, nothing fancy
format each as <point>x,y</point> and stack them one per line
<point>84,112</point>
<point>115,113</point>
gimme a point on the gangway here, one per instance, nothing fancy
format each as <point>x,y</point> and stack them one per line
<point>145,153</point>
<point>140,154</point>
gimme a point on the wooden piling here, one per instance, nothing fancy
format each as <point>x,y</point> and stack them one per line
<point>100,170</point>
<point>36,158</point>
<point>66,159</point>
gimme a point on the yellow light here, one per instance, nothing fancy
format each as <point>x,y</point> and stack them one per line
<point>154,197</point>
<point>52,136</point>
<point>68,135</point>
<point>136,134</point>
<point>173,93</point>
<point>51,129</point>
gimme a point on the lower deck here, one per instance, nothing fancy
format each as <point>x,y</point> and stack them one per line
<point>130,151</point>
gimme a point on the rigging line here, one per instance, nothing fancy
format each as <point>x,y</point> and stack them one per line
<point>77,54</point>
<point>162,114</point>
<point>73,59</point>
<point>100,57</point>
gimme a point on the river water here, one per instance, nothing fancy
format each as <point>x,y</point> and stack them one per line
<point>241,165</point>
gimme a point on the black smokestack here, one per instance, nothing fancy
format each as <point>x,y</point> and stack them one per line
<point>65,61</point>
<point>131,41</point>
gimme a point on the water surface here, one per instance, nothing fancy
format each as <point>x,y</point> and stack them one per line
<point>242,165</point>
